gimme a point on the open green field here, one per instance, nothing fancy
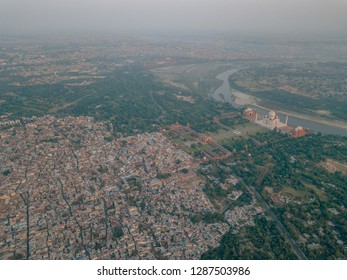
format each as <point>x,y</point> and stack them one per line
<point>297,194</point>
<point>243,130</point>
<point>250,129</point>
<point>320,193</point>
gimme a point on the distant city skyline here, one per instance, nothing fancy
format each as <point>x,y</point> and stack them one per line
<point>319,17</point>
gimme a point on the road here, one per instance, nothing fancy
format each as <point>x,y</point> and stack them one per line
<point>295,248</point>
<point>162,110</point>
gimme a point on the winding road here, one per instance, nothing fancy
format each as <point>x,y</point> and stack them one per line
<point>162,110</point>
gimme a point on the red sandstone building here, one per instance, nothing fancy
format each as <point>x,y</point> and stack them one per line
<point>249,112</point>
<point>297,132</point>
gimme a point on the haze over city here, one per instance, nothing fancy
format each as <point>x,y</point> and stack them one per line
<point>173,130</point>
<point>239,16</point>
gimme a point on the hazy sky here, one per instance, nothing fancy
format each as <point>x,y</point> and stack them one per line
<point>280,16</point>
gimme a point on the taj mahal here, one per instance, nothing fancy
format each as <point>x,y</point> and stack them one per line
<point>270,121</point>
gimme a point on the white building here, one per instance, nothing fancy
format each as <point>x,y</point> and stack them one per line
<point>271,121</point>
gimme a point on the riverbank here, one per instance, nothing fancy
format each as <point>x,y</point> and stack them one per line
<point>243,99</point>
<point>239,99</point>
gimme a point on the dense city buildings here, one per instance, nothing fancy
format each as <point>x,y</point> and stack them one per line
<point>72,192</point>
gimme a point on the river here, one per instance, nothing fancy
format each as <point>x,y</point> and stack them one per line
<point>238,99</point>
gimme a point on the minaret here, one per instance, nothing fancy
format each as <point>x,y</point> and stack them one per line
<point>256,117</point>
<point>287,120</point>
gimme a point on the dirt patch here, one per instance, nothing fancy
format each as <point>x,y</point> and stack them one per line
<point>189,99</point>
<point>11,94</point>
<point>177,85</point>
<point>243,99</point>
<point>294,90</point>
<point>322,112</point>
<point>334,166</point>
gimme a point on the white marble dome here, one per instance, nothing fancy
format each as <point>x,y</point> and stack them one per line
<point>272,115</point>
